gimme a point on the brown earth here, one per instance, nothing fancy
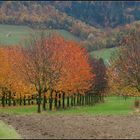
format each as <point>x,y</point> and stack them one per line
<point>78,126</point>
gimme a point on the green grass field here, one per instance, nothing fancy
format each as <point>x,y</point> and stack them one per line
<point>13,34</point>
<point>103,53</point>
<point>112,106</point>
<point>8,132</point>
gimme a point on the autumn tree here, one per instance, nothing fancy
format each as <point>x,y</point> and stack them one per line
<point>69,71</point>
<point>7,80</point>
<point>126,66</point>
<point>54,67</point>
<point>4,70</point>
<point>76,73</point>
<point>11,85</point>
<point>30,64</point>
<point>100,82</point>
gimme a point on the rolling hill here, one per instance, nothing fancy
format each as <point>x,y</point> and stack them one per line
<point>100,25</point>
<point>13,34</point>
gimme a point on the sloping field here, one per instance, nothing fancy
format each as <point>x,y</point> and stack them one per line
<point>13,34</point>
<point>106,54</point>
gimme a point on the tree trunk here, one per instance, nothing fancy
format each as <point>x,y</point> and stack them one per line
<point>59,105</point>
<point>3,101</point>
<point>51,101</point>
<point>39,102</point>
<point>9,103</point>
<point>71,100</point>
<point>32,102</point>
<point>68,101</point>
<point>56,100</point>
<point>28,100</point>
<point>63,98</point>
<point>92,99</point>
<point>77,99</point>
<point>24,100</point>
<point>6,99</point>
<point>20,100</point>
<point>80,100</point>
<point>83,99</point>
<point>44,102</point>
<point>86,99</point>
<point>89,99</point>
<point>74,100</point>
<point>14,102</point>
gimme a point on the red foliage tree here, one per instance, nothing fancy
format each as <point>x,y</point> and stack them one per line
<point>53,65</point>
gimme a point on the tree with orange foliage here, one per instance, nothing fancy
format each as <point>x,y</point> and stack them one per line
<point>11,85</point>
<point>53,65</point>
<point>75,73</point>
<point>31,63</point>
<point>3,65</point>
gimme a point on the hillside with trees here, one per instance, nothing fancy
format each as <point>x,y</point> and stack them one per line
<point>98,24</point>
<point>100,13</point>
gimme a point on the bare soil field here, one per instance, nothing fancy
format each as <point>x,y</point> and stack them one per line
<point>74,126</point>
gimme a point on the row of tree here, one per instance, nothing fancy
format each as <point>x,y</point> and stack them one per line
<point>58,101</point>
<point>51,68</point>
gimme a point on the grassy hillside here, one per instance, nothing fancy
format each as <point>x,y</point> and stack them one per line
<point>103,53</point>
<point>12,34</point>
<point>8,132</point>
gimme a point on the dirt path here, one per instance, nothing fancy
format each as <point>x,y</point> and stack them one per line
<point>80,126</point>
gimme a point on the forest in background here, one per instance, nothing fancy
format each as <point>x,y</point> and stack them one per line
<point>98,24</point>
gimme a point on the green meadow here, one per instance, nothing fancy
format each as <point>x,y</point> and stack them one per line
<point>113,106</point>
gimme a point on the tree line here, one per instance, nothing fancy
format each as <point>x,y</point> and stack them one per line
<point>50,70</point>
